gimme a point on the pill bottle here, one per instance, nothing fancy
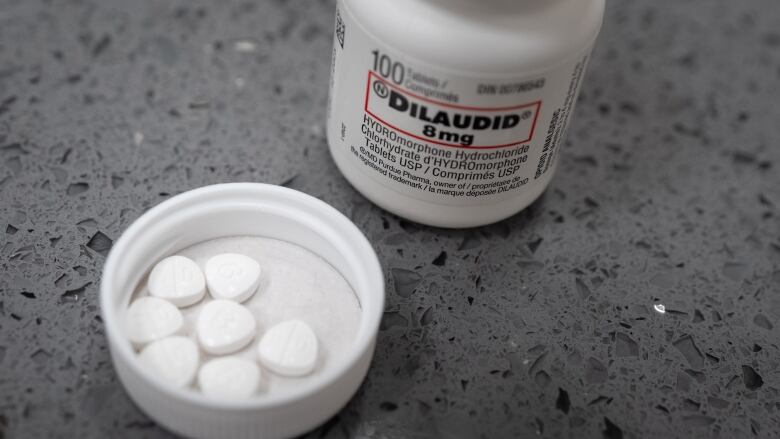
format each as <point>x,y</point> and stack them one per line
<point>452,113</point>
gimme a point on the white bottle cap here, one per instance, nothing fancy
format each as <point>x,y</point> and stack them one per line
<point>234,210</point>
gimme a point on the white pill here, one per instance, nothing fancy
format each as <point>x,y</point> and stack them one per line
<point>229,378</point>
<point>224,326</point>
<point>150,319</point>
<point>232,276</point>
<point>174,359</point>
<point>289,349</point>
<point>178,280</point>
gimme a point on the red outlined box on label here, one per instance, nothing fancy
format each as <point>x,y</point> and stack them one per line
<point>380,90</point>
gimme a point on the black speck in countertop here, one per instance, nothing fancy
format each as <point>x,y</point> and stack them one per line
<point>562,403</point>
<point>612,431</point>
<point>100,243</point>
<point>440,260</point>
<point>751,378</point>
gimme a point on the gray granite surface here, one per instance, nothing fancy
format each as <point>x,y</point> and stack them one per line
<point>547,324</point>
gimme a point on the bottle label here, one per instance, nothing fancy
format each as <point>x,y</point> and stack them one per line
<point>443,136</point>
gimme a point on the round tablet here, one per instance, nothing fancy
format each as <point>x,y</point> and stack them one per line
<point>224,326</point>
<point>150,319</point>
<point>289,349</point>
<point>232,276</point>
<point>173,359</point>
<point>229,378</point>
<point>178,280</point>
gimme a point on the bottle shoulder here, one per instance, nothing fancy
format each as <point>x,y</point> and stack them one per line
<point>489,37</point>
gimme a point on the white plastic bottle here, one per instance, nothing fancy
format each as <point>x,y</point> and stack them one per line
<point>452,112</point>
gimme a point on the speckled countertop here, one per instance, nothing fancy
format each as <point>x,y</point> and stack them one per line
<point>545,324</point>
